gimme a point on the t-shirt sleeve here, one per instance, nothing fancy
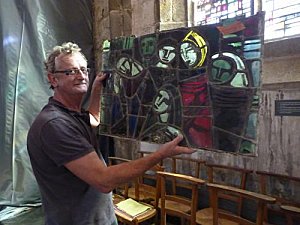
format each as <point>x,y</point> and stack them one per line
<point>64,142</point>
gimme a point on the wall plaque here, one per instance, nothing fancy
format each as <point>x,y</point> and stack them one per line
<point>287,107</point>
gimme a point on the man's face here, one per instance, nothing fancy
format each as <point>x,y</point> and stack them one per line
<point>71,84</point>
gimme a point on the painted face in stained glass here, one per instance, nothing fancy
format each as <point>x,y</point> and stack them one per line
<point>188,53</point>
<point>148,46</point>
<point>161,104</point>
<point>128,67</point>
<point>162,101</point>
<point>167,54</point>
<point>193,49</point>
<point>228,68</point>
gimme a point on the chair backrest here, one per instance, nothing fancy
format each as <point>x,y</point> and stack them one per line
<point>149,183</point>
<point>229,176</point>
<point>144,187</point>
<point>158,167</point>
<point>187,166</point>
<point>188,199</point>
<point>218,190</point>
<point>196,166</point>
<point>122,190</point>
<point>286,190</point>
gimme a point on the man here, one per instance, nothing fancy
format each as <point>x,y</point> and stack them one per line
<point>74,181</point>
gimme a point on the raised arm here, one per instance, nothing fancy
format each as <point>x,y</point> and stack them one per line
<point>94,103</point>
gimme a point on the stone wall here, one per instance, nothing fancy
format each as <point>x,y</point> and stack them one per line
<point>173,14</point>
<point>111,19</point>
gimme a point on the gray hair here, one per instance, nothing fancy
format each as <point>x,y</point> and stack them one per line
<point>66,48</point>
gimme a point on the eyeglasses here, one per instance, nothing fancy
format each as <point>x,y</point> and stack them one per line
<point>74,71</point>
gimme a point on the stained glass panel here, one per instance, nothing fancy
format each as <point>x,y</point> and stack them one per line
<point>214,11</point>
<point>202,82</point>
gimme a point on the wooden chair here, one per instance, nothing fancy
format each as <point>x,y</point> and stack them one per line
<point>219,213</point>
<point>284,188</point>
<point>144,188</point>
<point>175,204</point>
<point>224,175</point>
<point>195,165</point>
<point>120,193</point>
<point>119,197</point>
<point>186,166</point>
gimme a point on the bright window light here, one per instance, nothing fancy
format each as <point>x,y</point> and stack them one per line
<point>282,17</point>
<point>213,11</point>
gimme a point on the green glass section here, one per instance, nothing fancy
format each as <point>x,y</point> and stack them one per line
<point>105,45</point>
<point>255,101</point>
<point>229,36</point>
<point>222,64</point>
<point>255,69</point>
<point>129,67</point>
<point>148,46</point>
<point>239,80</point>
<point>235,44</point>
<point>251,126</point>
<point>219,70</point>
<point>247,147</point>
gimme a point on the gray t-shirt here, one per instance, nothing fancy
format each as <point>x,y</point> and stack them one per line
<point>58,136</point>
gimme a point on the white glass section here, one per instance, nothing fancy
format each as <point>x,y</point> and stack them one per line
<point>282,18</point>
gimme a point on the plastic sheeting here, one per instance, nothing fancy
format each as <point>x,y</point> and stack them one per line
<point>28,30</point>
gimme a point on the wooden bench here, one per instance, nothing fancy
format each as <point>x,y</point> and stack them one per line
<point>280,187</point>
<point>235,218</point>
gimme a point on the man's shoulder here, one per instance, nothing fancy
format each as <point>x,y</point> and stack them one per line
<point>50,113</point>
